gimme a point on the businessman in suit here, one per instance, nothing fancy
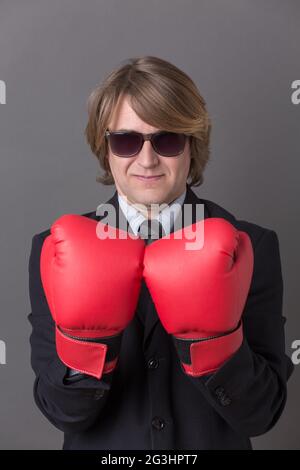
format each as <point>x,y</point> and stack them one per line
<point>154,388</point>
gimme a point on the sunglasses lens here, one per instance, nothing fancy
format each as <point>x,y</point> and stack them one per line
<point>128,144</point>
<point>125,145</point>
<point>169,144</point>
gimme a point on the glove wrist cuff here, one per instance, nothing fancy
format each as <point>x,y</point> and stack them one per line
<point>91,356</point>
<point>206,355</point>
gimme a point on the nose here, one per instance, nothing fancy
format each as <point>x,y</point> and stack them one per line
<point>147,157</point>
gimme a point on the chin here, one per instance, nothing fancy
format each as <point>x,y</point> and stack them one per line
<point>152,198</point>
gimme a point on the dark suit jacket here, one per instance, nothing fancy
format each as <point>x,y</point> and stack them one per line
<point>148,402</point>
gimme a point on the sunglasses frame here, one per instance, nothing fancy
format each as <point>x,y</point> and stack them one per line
<point>145,137</point>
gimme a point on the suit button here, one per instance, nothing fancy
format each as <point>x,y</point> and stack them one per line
<point>98,394</point>
<point>225,401</point>
<point>158,423</point>
<point>222,397</point>
<point>153,363</point>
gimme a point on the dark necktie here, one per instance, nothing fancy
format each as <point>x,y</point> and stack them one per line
<point>149,230</point>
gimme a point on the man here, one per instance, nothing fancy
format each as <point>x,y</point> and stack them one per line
<point>139,374</point>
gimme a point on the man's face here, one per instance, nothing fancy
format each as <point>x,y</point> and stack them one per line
<point>173,171</point>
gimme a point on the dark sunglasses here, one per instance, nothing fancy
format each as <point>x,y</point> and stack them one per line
<point>130,143</point>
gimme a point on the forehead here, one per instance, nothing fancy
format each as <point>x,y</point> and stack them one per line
<point>125,118</point>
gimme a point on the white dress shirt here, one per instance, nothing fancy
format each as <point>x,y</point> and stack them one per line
<point>166,216</point>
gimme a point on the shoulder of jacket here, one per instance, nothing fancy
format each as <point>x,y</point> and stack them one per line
<point>255,231</point>
<point>42,235</point>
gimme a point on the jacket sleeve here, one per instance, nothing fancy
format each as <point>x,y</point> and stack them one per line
<point>250,389</point>
<point>70,405</point>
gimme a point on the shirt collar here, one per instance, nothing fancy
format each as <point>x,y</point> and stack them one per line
<point>166,216</point>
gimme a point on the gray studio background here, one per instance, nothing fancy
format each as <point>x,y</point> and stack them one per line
<point>243,56</point>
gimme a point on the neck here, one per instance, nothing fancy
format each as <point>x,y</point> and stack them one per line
<point>152,209</point>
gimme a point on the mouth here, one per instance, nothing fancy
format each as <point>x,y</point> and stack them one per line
<point>148,178</point>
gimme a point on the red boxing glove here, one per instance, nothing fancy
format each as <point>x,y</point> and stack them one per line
<point>200,294</point>
<point>92,287</point>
